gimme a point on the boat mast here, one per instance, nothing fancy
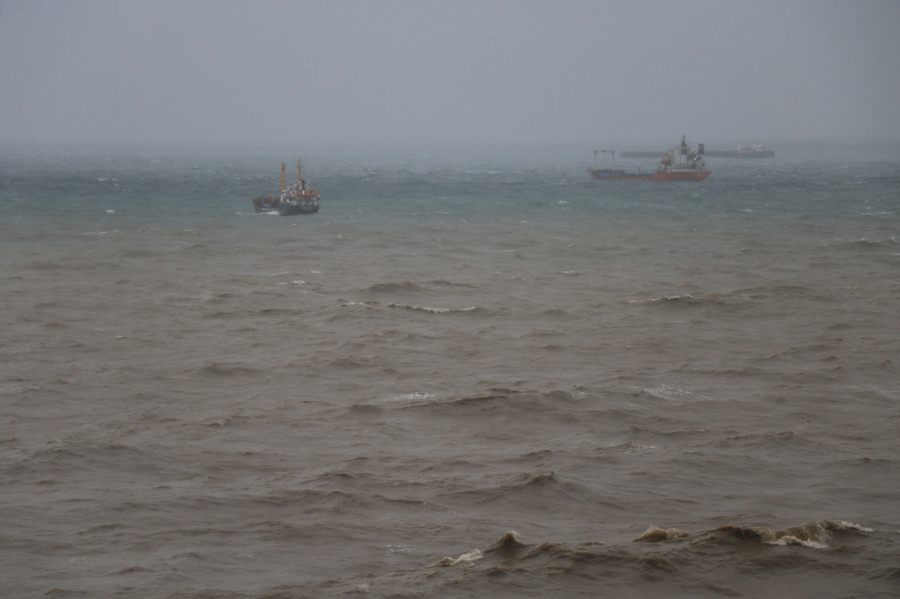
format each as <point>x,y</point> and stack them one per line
<point>282,180</point>
<point>299,176</point>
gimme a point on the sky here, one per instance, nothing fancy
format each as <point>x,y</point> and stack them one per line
<point>448,71</point>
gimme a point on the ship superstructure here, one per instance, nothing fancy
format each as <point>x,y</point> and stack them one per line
<point>682,164</point>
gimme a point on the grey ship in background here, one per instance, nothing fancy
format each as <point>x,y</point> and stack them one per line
<point>742,151</point>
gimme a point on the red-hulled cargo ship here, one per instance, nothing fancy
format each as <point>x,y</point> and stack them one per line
<point>681,164</point>
<point>678,164</point>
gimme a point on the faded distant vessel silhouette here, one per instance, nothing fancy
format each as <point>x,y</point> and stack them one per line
<point>742,151</point>
<point>611,173</point>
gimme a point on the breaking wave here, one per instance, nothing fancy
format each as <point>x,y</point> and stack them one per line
<point>816,535</point>
<point>432,310</point>
<point>654,534</point>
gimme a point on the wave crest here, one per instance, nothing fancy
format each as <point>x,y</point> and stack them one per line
<point>654,534</point>
<point>391,287</point>
<point>815,535</point>
<point>433,310</point>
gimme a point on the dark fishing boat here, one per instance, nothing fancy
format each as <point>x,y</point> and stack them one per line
<point>290,200</point>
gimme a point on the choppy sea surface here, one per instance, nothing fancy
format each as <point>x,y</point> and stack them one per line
<point>474,373</point>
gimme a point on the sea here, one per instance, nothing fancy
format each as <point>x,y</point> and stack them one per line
<point>476,372</point>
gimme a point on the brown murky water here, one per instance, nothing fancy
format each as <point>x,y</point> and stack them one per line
<point>259,406</point>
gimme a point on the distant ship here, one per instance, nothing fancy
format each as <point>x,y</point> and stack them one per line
<point>681,164</point>
<point>742,151</point>
<point>611,173</point>
<point>678,164</point>
<point>296,199</point>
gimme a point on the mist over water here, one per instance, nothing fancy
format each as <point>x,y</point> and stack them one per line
<point>504,71</point>
<point>476,372</point>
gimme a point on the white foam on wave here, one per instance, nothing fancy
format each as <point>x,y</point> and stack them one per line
<point>786,540</point>
<point>433,310</point>
<point>414,396</point>
<point>353,303</point>
<point>844,525</point>
<point>466,558</point>
<point>394,549</point>
<point>665,298</point>
<point>672,393</point>
<point>655,534</point>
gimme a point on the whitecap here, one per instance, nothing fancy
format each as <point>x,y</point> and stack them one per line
<point>655,534</point>
<point>353,303</point>
<point>844,525</point>
<point>466,558</point>
<point>672,393</point>
<point>432,309</point>
<point>414,396</point>
<point>792,540</point>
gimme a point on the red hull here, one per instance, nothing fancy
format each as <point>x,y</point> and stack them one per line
<point>680,175</point>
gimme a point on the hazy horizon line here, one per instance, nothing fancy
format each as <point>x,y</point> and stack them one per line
<point>597,141</point>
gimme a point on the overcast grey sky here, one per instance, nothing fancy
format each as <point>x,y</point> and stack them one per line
<point>448,71</point>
